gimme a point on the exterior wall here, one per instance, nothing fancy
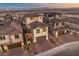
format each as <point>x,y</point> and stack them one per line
<point>1,18</point>
<point>14,40</point>
<point>9,39</point>
<point>6,40</point>
<point>40,18</point>
<point>40,34</point>
<point>58,16</point>
<point>28,20</point>
<point>59,25</point>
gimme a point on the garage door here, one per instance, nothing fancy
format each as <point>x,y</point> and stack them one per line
<point>14,45</point>
<point>42,43</point>
<point>41,39</point>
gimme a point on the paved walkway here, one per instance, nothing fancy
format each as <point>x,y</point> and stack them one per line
<point>59,49</point>
<point>15,52</point>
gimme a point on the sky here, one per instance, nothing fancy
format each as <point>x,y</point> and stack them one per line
<point>37,5</point>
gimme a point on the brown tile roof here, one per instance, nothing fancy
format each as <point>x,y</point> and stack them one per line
<point>37,24</point>
<point>31,15</point>
<point>10,28</point>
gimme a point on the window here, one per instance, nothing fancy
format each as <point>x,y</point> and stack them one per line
<point>2,38</point>
<point>17,36</point>
<point>50,15</point>
<point>33,18</point>
<point>62,23</point>
<point>44,29</point>
<point>37,30</point>
<point>56,24</point>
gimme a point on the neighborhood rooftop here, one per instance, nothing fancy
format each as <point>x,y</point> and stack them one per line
<point>72,20</point>
<point>7,28</point>
<point>32,15</point>
<point>37,24</point>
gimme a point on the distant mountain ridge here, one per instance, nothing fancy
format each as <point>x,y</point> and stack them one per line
<point>39,9</point>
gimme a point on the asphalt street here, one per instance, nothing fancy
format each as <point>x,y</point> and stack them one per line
<point>72,51</point>
<point>68,49</point>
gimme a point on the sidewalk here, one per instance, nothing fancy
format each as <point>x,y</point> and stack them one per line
<point>16,52</point>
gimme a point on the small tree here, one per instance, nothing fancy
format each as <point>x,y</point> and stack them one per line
<point>8,17</point>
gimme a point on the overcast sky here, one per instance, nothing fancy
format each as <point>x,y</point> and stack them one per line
<point>37,5</point>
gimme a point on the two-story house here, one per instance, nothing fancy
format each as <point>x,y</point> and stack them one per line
<point>72,23</point>
<point>39,31</point>
<point>34,24</point>
<point>55,22</point>
<point>10,35</point>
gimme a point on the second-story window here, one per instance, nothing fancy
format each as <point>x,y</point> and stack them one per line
<point>2,38</point>
<point>44,29</point>
<point>16,36</point>
<point>37,30</point>
<point>32,18</point>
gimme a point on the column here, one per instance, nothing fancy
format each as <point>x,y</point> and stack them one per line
<point>34,40</point>
<point>1,49</point>
<point>65,31</point>
<point>47,37</point>
<point>5,48</point>
<point>56,34</point>
<point>22,44</point>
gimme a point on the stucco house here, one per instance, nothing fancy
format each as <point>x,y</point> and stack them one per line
<point>39,31</point>
<point>10,35</point>
<point>35,27</point>
<point>72,24</point>
<point>32,17</point>
<point>55,22</point>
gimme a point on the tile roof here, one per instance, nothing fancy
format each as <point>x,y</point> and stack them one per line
<point>37,24</point>
<point>10,28</point>
<point>31,15</point>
